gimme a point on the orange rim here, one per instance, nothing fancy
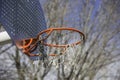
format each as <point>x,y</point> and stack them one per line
<point>50,30</point>
<point>27,44</point>
<point>18,43</point>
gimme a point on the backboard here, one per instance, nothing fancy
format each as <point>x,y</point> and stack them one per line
<point>22,18</point>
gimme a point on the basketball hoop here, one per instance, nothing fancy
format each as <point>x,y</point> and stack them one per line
<point>30,44</point>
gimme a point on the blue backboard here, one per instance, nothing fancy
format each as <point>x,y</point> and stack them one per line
<point>22,18</point>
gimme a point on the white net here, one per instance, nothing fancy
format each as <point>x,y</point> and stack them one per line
<point>63,55</point>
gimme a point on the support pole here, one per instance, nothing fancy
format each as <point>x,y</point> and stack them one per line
<point>4,38</point>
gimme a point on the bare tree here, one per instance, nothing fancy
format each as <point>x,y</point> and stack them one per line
<point>101,27</point>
